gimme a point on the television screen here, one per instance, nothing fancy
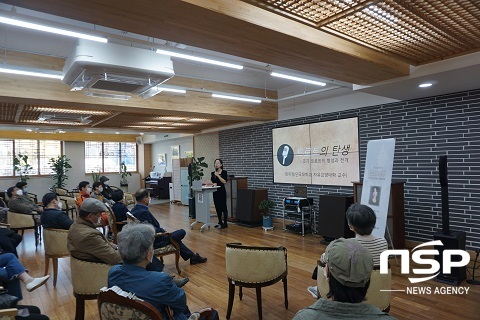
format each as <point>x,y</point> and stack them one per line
<point>323,153</point>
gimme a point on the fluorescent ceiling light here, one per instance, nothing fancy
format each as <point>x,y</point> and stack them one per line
<point>425,85</point>
<point>236,98</point>
<point>157,89</point>
<point>199,59</point>
<point>31,73</point>
<point>108,95</point>
<point>285,76</point>
<point>39,27</point>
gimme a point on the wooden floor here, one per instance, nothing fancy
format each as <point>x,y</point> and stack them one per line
<point>208,284</point>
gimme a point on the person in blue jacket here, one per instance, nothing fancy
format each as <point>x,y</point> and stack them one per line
<point>141,212</point>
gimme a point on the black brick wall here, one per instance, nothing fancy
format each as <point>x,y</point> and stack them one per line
<point>424,129</point>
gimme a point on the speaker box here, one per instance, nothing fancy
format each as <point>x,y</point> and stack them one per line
<point>247,205</point>
<point>456,240</point>
<point>332,221</point>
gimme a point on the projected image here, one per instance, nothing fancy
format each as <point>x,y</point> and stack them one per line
<point>323,153</point>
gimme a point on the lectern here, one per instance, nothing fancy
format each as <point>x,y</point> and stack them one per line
<point>202,204</point>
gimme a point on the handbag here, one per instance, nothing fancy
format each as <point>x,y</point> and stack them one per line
<point>7,300</point>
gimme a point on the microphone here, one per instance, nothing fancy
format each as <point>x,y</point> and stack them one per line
<point>473,281</point>
<point>216,169</point>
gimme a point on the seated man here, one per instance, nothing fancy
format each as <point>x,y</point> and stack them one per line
<point>21,203</point>
<point>135,244</point>
<point>53,216</point>
<point>361,220</point>
<point>119,208</point>
<point>85,190</point>
<point>348,269</point>
<point>141,212</point>
<point>22,194</point>
<point>87,243</point>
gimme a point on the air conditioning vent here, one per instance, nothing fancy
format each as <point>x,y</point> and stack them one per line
<point>112,67</point>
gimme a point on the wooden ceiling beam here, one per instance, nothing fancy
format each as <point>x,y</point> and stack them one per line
<point>67,136</point>
<point>30,90</point>
<point>237,28</point>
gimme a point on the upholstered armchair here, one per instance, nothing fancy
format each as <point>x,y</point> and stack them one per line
<point>255,267</point>
<point>114,306</point>
<point>55,243</point>
<point>21,221</point>
<point>129,199</point>
<point>60,191</point>
<point>87,279</point>
<point>171,248</point>
<point>69,205</point>
<point>8,314</point>
<point>380,299</point>
<point>113,224</point>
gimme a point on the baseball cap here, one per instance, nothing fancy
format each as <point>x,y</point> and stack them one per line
<point>349,262</point>
<point>103,179</point>
<point>93,206</point>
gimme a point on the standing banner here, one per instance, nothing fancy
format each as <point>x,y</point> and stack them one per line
<point>377,180</point>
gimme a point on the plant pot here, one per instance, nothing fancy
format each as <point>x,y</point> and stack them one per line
<point>124,187</point>
<point>267,222</point>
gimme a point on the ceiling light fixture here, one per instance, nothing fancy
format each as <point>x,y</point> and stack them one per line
<point>39,27</point>
<point>157,89</point>
<point>425,85</point>
<point>236,98</point>
<point>199,59</point>
<point>286,76</point>
<point>32,73</point>
<point>108,95</point>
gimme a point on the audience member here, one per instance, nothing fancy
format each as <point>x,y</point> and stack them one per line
<point>107,191</point>
<point>135,244</point>
<point>9,240</point>
<point>12,273</point>
<point>361,220</point>
<point>21,203</point>
<point>22,194</point>
<point>348,269</point>
<point>141,212</point>
<point>97,192</point>
<point>53,216</point>
<point>85,190</point>
<point>87,243</point>
<point>119,208</point>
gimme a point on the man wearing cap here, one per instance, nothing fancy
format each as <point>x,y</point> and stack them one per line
<point>107,191</point>
<point>348,268</point>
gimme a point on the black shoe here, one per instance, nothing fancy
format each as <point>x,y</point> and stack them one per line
<point>196,258</point>
<point>180,282</point>
<point>224,225</point>
<point>219,225</point>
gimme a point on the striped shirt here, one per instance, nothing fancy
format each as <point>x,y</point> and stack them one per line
<point>375,245</point>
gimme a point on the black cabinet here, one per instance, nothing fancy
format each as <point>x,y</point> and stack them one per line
<point>247,205</point>
<point>332,222</point>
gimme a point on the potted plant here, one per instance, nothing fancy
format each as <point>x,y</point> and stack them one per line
<point>265,209</point>
<point>123,177</point>
<point>21,166</point>
<point>59,166</point>
<point>95,176</point>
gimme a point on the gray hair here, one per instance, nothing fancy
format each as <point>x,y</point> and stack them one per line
<point>362,218</point>
<point>134,241</point>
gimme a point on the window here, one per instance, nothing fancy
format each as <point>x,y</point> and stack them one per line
<point>39,153</point>
<point>108,156</point>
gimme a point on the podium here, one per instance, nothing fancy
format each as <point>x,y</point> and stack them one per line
<point>202,204</point>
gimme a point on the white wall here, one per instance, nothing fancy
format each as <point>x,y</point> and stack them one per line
<point>185,143</point>
<point>75,151</point>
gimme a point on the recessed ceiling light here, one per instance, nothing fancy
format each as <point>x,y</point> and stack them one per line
<point>425,85</point>
<point>116,132</point>
<point>29,130</point>
<point>200,59</point>
<point>90,131</point>
<point>141,133</point>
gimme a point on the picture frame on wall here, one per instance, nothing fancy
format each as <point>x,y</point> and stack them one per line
<point>162,159</point>
<point>175,152</point>
<point>188,154</point>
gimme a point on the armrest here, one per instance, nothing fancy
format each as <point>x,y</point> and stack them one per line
<point>169,235</point>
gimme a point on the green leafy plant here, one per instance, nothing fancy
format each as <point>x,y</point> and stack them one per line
<point>21,166</point>
<point>95,176</point>
<point>197,168</point>
<point>60,166</point>
<point>265,206</point>
<point>124,174</point>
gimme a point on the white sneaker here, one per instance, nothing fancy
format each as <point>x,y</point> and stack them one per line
<point>313,291</point>
<point>35,283</point>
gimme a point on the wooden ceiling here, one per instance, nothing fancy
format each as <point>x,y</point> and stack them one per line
<point>356,41</point>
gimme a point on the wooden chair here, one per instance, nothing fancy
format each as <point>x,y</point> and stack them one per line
<point>129,199</point>
<point>112,306</point>
<point>255,267</point>
<point>380,299</point>
<point>8,314</point>
<point>60,191</point>
<point>55,243</point>
<point>113,224</point>
<point>87,279</point>
<point>21,221</point>
<point>172,248</point>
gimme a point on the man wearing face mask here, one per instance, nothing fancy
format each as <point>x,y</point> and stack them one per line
<point>85,190</point>
<point>53,216</point>
<point>106,190</point>
<point>141,212</point>
<point>20,202</point>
